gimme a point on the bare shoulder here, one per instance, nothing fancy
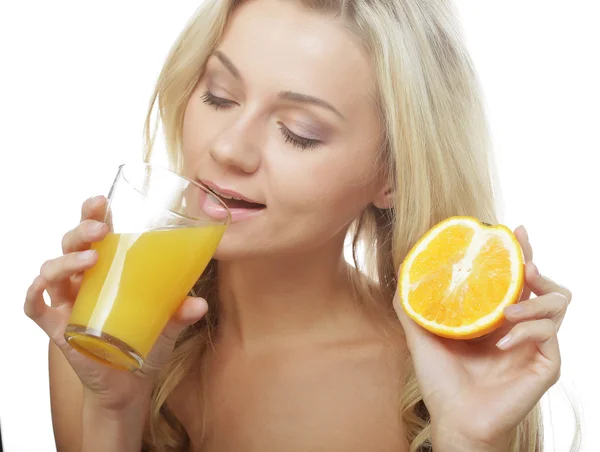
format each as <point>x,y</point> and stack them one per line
<point>337,397</point>
<point>360,385</point>
<point>348,397</point>
<point>339,394</point>
<point>368,384</point>
<point>360,398</point>
<point>66,394</point>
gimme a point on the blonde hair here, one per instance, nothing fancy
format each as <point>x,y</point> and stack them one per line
<point>435,150</point>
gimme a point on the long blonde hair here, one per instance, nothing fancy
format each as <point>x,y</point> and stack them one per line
<point>435,150</point>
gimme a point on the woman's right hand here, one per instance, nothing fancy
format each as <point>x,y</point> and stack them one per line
<point>61,278</point>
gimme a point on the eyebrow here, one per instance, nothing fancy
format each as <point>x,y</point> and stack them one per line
<point>305,98</point>
<point>228,64</point>
<point>283,95</point>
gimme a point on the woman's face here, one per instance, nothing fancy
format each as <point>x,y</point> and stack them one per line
<point>284,116</point>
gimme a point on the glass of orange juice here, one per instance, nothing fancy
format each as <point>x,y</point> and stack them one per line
<point>164,229</point>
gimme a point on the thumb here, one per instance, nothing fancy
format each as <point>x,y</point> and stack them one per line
<point>415,334</point>
<point>523,238</point>
<point>191,310</point>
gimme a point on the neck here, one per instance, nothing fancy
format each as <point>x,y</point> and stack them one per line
<point>293,299</point>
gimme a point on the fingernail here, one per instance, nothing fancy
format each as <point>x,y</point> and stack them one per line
<point>504,342</point>
<point>535,269</point>
<point>96,199</point>
<point>36,281</point>
<point>96,227</point>
<point>513,309</point>
<point>525,232</point>
<point>86,255</point>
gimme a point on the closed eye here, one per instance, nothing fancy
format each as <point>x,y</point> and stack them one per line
<point>217,102</point>
<point>296,140</point>
<point>220,103</point>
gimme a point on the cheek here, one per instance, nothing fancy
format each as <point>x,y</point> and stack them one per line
<point>324,185</point>
<point>198,130</point>
<point>192,136</point>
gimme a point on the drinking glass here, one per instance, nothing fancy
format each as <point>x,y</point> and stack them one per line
<point>163,231</point>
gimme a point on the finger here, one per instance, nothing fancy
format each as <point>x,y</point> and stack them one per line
<point>550,306</point>
<point>541,285</point>
<point>541,332</point>
<point>523,239</point>
<point>408,324</point>
<point>415,334</point>
<point>77,279</point>
<point>81,237</point>
<point>94,208</point>
<point>65,291</point>
<point>63,267</point>
<point>35,307</point>
<point>191,310</point>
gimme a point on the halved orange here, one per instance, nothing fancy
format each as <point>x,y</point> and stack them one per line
<point>458,278</point>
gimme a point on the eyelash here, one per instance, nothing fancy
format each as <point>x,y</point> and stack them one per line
<point>217,102</point>
<point>290,137</point>
<point>297,141</point>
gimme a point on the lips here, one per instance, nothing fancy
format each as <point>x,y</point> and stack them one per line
<point>234,202</point>
<point>241,207</point>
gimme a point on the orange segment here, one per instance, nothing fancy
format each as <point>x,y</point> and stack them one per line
<point>457,280</point>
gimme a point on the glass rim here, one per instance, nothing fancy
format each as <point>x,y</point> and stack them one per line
<point>225,222</point>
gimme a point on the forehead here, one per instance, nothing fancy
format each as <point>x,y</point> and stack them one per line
<point>279,45</point>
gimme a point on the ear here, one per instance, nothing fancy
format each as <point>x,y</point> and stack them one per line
<point>385,198</point>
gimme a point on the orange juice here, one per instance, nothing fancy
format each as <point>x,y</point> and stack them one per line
<point>137,284</point>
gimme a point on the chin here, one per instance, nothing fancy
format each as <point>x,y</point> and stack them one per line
<point>234,247</point>
<point>231,249</point>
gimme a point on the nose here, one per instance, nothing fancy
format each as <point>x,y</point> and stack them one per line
<point>236,148</point>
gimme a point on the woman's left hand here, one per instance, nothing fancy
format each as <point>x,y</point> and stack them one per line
<point>478,391</point>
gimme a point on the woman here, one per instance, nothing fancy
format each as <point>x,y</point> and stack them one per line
<point>335,117</point>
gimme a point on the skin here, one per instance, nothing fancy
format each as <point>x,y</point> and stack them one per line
<point>298,238</point>
<point>297,365</point>
<point>287,262</point>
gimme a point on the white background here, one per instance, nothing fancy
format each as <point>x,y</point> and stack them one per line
<point>75,80</point>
